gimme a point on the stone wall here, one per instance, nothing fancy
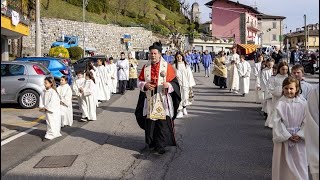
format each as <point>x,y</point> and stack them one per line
<point>105,38</point>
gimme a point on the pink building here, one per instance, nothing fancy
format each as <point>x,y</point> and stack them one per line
<point>234,20</point>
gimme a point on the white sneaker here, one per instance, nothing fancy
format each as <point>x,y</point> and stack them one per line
<point>185,111</point>
<point>179,115</point>
<point>235,92</point>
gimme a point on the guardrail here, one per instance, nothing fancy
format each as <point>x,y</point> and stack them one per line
<point>7,11</point>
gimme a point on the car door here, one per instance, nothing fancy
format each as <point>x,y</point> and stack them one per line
<point>13,79</point>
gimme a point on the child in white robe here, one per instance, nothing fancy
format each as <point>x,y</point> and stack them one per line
<point>298,73</point>
<point>312,132</point>
<point>114,76</point>
<point>103,79</point>
<point>258,66</point>
<point>108,76</point>
<point>289,160</point>
<point>79,83</point>
<point>88,93</point>
<point>266,73</point>
<point>49,104</point>
<point>275,88</point>
<point>65,93</point>
<point>91,68</point>
<point>244,70</point>
<point>186,82</point>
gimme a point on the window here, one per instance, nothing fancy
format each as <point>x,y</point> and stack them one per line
<point>274,37</point>
<point>274,25</point>
<point>12,70</point>
<point>44,63</point>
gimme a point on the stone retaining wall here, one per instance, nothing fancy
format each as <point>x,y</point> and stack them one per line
<point>105,38</point>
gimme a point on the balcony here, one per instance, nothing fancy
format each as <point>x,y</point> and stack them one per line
<point>252,26</point>
<point>10,28</point>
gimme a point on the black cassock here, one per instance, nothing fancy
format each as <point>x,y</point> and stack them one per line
<point>159,133</point>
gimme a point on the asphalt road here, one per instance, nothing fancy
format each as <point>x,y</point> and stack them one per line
<point>223,137</point>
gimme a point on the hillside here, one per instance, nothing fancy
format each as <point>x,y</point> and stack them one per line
<point>145,13</point>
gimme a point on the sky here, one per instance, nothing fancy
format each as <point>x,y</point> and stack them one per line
<point>293,10</point>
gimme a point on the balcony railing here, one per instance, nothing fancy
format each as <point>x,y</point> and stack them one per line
<point>251,25</point>
<point>7,11</point>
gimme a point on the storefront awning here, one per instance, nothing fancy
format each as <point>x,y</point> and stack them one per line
<point>248,48</point>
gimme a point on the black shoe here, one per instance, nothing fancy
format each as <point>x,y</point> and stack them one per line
<point>225,87</point>
<point>161,150</point>
<point>220,87</point>
<point>243,95</point>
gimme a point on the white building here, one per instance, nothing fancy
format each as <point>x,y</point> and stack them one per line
<point>271,30</point>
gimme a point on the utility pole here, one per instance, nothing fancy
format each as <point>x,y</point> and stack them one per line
<point>38,29</point>
<point>83,20</point>
<point>305,31</point>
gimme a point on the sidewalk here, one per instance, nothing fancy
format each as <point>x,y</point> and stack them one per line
<point>98,144</point>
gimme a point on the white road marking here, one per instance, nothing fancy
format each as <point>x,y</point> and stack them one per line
<point>17,136</point>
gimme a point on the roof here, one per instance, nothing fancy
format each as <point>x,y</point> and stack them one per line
<point>266,16</point>
<point>301,33</point>
<point>254,10</point>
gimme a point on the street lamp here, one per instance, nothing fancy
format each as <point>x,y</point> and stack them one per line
<point>84,4</point>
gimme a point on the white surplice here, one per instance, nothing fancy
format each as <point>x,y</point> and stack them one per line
<point>123,69</point>
<point>89,105</point>
<point>114,77</point>
<point>312,132</point>
<point>97,92</point>
<point>65,94</point>
<point>275,88</point>
<point>103,85</point>
<point>257,75</point>
<point>244,70</point>
<point>305,88</point>
<point>79,83</point>
<point>289,161</point>
<point>50,101</point>
<point>266,74</point>
<point>186,81</point>
<point>232,72</point>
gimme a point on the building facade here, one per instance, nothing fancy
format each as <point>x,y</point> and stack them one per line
<point>297,39</point>
<point>14,25</point>
<point>234,20</point>
<point>271,30</point>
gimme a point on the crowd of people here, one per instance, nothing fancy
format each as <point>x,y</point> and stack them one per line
<point>289,103</point>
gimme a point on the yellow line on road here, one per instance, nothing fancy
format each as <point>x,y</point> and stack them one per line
<point>32,122</point>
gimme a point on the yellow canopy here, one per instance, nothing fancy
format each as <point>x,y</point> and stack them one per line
<point>249,48</point>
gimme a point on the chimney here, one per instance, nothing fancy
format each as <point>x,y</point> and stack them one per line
<point>290,31</point>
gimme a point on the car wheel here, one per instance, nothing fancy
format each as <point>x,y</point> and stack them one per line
<point>29,99</point>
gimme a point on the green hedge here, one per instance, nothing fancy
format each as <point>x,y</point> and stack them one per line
<point>55,52</point>
<point>75,52</point>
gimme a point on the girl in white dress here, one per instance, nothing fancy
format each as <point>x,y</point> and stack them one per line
<point>289,161</point>
<point>275,88</point>
<point>88,93</point>
<point>65,93</point>
<point>79,83</point>
<point>49,103</point>
<point>186,82</point>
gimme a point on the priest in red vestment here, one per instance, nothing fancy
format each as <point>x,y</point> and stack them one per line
<point>158,101</point>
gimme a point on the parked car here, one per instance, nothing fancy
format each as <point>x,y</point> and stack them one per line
<point>22,82</point>
<point>80,65</point>
<point>55,65</point>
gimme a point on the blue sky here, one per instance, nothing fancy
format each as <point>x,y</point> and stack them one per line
<point>293,10</point>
